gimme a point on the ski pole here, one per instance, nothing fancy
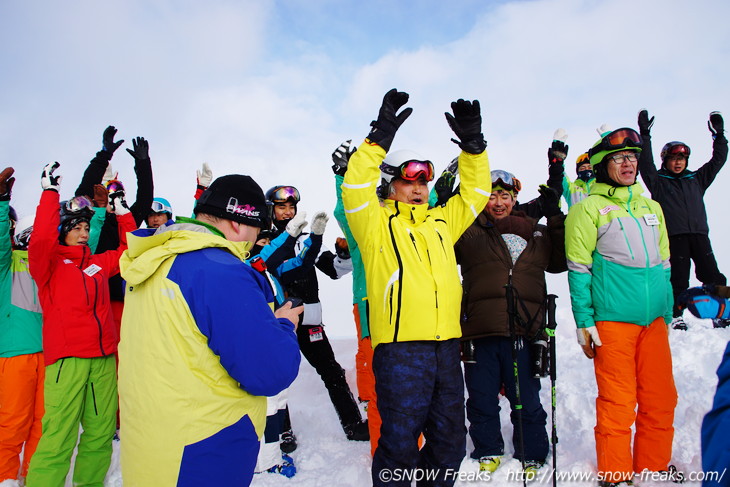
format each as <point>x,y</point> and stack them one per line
<point>550,330</point>
<point>511,312</point>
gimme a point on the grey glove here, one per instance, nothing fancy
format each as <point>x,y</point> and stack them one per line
<point>319,222</point>
<point>297,224</point>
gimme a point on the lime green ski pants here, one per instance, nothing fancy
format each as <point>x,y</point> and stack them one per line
<point>78,391</point>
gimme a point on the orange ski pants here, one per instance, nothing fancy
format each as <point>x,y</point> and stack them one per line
<point>633,366</point>
<point>366,380</point>
<point>21,411</point>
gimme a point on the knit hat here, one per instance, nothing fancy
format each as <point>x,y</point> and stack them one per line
<point>237,198</point>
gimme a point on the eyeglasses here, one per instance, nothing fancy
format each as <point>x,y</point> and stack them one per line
<point>619,159</point>
<point>507,180</point>
<point>284,193</point>
<point>618,139</point>
<point>413,170</point>
<point>78,203</point>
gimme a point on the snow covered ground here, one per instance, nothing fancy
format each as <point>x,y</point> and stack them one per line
<point>326,458</point>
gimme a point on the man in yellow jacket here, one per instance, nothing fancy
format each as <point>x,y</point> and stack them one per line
<point>414,290</point>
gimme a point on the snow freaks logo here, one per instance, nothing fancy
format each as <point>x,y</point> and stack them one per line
<point>246,210</point>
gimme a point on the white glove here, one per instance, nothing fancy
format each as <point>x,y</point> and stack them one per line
<point>205,177</point>
<point>108,174</point>
<point>297,224</point>
<point>561,135</point>
<point>319,222</point>
<point>603,129</point>
<point>117,203</point>
<point>587,338</point>
<point>48,180</point>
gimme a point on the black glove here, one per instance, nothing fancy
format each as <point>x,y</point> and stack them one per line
<point>716,124</point>
<point>107,140</point>
<point>341,156</point>
<point>140,149</point>
<point>557,152</point>
<point>645,123</point>
<point>6,183</point>
<point>385,127</point>
<point>466,122</point>
<point>445,187</point>
<point>550,201</point>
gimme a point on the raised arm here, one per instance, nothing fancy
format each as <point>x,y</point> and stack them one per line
<point>706,174</point>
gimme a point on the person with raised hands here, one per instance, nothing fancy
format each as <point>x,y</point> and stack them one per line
<point>79,336</point>
<point>681,193</point>
<point>348,247</point>
<point>618,272</point>
<point>303,283</point>
<point>413,287</point>
<point>99,171</point>
<point>21,351</point>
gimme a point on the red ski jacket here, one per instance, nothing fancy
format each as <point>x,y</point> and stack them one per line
<point>73,287</point>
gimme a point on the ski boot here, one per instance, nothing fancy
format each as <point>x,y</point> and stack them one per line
<point>358,431</point>
<point>285,468</point>
<point>490,463</point>
<point>531,468</point>
<point>678,324</point>
<point>288,442</point>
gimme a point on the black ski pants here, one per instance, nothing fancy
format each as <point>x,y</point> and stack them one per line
<point>693,247</point>
<point>316,348</point>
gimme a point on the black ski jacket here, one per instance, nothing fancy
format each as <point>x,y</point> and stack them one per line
<point>681,195</point>
<point>140,208</point>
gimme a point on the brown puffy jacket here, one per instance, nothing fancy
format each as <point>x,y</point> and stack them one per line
<point>485,268</point>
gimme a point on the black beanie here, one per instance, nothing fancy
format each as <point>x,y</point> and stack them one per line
<point>235,197</point>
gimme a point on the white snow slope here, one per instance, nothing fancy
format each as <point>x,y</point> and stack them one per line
<point>326,458</point>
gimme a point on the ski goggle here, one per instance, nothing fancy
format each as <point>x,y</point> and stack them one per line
<point>414,170</point>
<point>506,180</point>
<point>284,193</point>
<point>160,207</point>
<point>78,204</point>
<point>678,150</point>
<point>618,139</point>
<point>114,185</point>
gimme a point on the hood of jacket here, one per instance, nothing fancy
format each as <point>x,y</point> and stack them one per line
<point>145,254</point>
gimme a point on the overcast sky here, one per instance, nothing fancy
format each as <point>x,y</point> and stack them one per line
<point>270,88</point>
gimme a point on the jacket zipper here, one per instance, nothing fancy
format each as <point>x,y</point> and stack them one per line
<point>400,274</point>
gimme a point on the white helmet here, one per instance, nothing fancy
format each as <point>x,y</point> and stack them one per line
<point>23,229</point>
<point>391,167</point>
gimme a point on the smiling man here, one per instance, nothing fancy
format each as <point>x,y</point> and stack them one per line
<point>618,271</point>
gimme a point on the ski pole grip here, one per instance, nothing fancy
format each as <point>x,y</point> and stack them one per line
<point>551,311</point>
